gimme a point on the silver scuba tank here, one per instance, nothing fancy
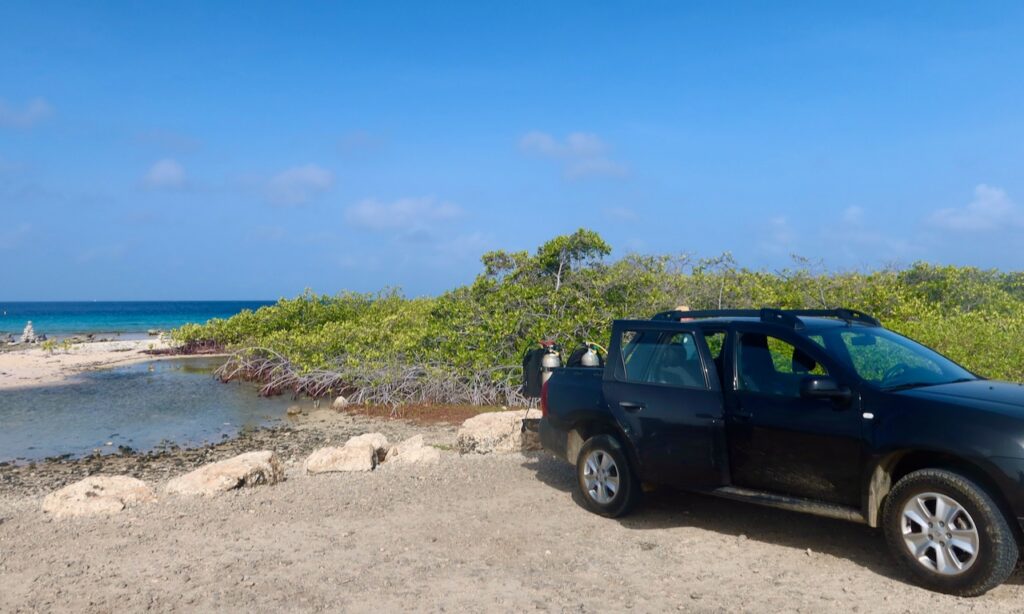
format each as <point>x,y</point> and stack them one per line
<point>550,361</point>
<point>590,358</point>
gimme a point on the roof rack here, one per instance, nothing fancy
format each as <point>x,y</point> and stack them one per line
<point>785,317</point>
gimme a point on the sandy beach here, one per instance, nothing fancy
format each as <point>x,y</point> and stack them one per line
<point>35,366</point>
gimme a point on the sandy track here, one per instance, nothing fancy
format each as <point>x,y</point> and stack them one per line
<point>498,533</point>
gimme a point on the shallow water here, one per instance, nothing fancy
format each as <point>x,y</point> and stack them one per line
<point>141,406</point>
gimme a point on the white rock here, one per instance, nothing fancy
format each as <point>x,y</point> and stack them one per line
<point>244,470</point>
<point>359,456</point>
<point>413,451</point>
<point>499,431</point>
<point>97,495</point>
<point>377,440</point>
<point>339,403</point>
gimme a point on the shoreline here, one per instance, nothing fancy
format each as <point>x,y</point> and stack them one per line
<point>293,439</point>
<point>36,367</point>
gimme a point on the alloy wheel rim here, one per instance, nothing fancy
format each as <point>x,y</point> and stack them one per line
<point>601,476</point>
<point>939,533</point>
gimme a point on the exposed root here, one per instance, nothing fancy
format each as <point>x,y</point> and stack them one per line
<point>392,385</point>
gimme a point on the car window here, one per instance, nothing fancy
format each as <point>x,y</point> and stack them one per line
<point>890,360</point>
<point>662,358</point>
<point>637,350</point>
<point>769,365</point>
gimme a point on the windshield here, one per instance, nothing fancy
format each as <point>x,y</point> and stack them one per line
<point>888,360</point>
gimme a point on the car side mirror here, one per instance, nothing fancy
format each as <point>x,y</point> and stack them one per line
<point>823,387</point>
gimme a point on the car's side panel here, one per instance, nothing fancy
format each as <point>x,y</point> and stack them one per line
<point>801,447</point>
<point>677,431</point>
<point>576,402</point>
<point>982,439</point>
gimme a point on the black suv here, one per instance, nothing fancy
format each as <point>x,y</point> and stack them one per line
<point>822,411</point>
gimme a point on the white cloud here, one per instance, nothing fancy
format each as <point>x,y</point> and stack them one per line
<point>581,154</point>
<point>166,174</point>
<point>991,209</point>
<point>298,185</point>
<point>413,215</point>
<point>33,112</point>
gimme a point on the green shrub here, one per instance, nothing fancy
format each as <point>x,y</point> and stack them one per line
<point>568,292</point>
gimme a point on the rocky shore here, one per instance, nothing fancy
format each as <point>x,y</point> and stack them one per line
<point>292,442</point>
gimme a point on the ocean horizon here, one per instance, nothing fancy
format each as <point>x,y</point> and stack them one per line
<point>63,318</point>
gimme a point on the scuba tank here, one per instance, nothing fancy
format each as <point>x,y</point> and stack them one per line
<point>550,361</point>
<point>589,355</point>
<point>538,362</point>
<point>590,358</point>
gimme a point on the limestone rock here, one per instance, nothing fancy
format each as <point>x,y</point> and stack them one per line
<point>97,495</point>
<point>360,456</point>
<point>499,431</point>
<point>339,403</point>
<point>244,470</point>
<point>413,451</point>
<point>377,440</point>
<point>294,410</point>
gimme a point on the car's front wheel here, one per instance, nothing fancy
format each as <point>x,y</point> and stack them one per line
<point>606,480</point>
<point>949,533</point>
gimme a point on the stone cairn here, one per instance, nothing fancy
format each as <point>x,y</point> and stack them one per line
<point>29,334</point>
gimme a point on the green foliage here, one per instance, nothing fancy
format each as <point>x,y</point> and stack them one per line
<point>568,292</point>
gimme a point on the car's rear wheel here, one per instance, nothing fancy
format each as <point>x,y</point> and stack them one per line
<point>949,533</point>
<point>606,480</point>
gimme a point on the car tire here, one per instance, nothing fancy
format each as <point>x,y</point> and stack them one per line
<point>948,533</point>
<point>606,480</point>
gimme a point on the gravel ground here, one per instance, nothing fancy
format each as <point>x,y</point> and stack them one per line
<point>476,533</point>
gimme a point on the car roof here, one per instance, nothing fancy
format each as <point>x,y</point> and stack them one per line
<point>810,323</point>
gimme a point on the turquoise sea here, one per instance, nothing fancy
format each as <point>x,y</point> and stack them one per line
<point>113,317</point>
<point>138,406</point>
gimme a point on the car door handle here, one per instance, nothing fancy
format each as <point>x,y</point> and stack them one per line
<point>631,406</point>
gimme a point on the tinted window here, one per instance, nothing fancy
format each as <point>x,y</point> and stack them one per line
<point>769,365</point>
<point>637,350</point>
<point>662,358</point>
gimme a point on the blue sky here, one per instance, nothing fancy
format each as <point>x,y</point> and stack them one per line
<point>214,150</point>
